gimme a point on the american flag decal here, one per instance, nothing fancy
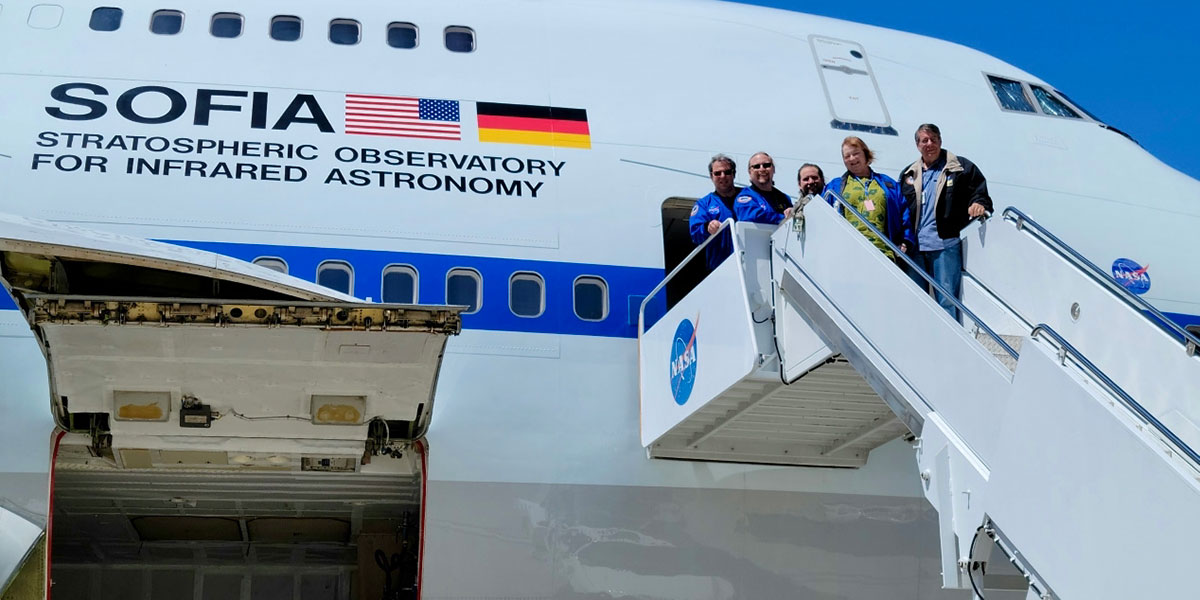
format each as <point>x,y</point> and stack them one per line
<point>399,116</point>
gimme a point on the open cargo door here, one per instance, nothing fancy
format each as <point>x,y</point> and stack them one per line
<point>173,358</point>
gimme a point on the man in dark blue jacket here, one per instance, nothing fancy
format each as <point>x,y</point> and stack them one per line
<point>710,211</point>
<point>946,191</point>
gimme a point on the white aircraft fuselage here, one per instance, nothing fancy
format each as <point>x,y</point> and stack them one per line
<point>532,480</point>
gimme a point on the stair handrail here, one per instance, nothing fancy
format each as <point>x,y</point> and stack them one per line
<point>836,200</point>
<point>726,224</point>
<point>1190,342</point>
<point>1065,348</point>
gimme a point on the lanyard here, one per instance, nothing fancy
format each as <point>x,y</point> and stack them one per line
<point>865,185</point>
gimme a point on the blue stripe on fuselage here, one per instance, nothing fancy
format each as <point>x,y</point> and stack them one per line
<point>626,285</point>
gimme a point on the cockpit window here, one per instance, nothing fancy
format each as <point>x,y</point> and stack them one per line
<point>1051,105</point>
<point>1011,94</point>
<point>1077,105</point>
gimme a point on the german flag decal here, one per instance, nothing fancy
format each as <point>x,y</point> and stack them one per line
<point>534,125</point>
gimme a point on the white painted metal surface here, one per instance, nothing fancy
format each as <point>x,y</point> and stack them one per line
<point>816,410</point>
<point>571,395</point>
<point>719,349</point>
<point>1041,453</point>
<point>1049,458</point>
<point>282,382</point>
<point>1032,280</point>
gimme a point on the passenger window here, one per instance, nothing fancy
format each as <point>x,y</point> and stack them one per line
<point>45,16</point>
<point>106,18</point>
<point>402,35</point>
<point>286,28</point>
<point>463,287</point>
<point>346,32</point>
<point>226,25</point>
<point>460,39</point>
<point>1011,94</point>
<point>526,295</point>
<point>336,275</point>
<point>591,298</point>
<point>166,22</point>
<point>399,285</point>
<point>273,263</point>
<point>1051,105</point>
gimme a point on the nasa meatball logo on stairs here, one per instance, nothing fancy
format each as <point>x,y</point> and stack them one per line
<point>683,360</point>
<point>1132,276</point>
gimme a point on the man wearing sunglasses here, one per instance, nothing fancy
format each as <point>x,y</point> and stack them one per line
<point>710,211</point>
<point>762,202</point>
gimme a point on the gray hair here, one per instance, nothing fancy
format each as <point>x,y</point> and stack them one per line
<point>721,158</point>
<point>927,128</point>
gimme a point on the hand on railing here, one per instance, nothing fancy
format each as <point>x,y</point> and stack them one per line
<point>976,210</point>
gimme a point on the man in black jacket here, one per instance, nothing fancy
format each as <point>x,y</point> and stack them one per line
<point>946,191</point>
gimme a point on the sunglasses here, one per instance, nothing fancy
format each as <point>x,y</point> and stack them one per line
<point>762,165</point>
<point>720,172</point>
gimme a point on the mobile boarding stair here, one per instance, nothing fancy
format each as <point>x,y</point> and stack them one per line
<point>1056,425</point>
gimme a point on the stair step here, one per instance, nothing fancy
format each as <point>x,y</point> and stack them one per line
<point>999,352</point>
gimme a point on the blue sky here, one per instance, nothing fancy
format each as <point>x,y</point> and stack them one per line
<point>1135,66</point>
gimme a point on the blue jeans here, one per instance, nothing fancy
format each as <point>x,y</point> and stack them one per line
<point>945,266</point>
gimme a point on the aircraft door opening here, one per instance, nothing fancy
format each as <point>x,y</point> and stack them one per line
<point>854,98</point>
<point>677,244</point>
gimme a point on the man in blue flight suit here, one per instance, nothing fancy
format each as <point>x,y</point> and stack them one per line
<point>712,210</point>
<point>762,202</point>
